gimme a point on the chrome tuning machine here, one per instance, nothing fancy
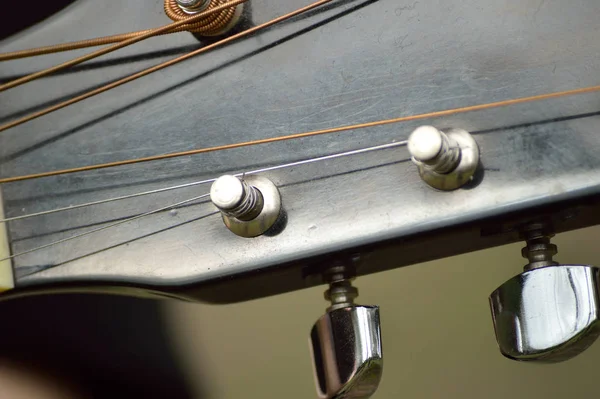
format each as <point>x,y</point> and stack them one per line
<point>550,312</point>
<point>346,342</point>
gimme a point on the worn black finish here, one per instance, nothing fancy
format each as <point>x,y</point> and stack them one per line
<point>350,62</point>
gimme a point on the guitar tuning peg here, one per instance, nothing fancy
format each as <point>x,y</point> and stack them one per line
<point>250,206</point>
<point>550,312</point>
<point>446,160</point>
<point>346,344</point>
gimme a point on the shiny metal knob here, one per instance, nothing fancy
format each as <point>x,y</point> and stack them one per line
<point>547,314</point>
<point>249,207</point>
<point>346,342</point>
<point>446,160</point>
<point>236,198</point>
<point>193,6</point>
<point>347,353</point>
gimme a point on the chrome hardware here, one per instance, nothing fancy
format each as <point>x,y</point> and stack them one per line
<point>446,160</point>
<point>193,6</point>
<point>236,198</point>
<point>346,343</point>
<point>550,312</point>
<point>249,207</point>
<point>539,251</point>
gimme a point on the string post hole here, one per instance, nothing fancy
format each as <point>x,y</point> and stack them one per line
<point>193,6</point>
<point>249,206</point>
<point>213,25</point>
<point>446,160</point>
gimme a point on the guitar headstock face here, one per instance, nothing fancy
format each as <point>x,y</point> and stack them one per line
<point>345,63</point>
<point>310,120</point>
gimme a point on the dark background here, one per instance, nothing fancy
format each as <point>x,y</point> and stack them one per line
<point>13,19</point>
<point>107,346</point>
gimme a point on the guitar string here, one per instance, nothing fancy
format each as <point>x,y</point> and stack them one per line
<point>428,115</point>
<point>86,233</point>
<point>160,66</point>
<point>204,26</point>
<point>103,201</point>
<point>56,48</point>
<point>148,34</point>
<point>178,204</point>
<point>200,182</point>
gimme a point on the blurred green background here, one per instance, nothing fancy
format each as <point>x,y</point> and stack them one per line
<point>438,337</point>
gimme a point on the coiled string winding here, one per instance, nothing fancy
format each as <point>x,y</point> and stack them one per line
<point>212,25</point>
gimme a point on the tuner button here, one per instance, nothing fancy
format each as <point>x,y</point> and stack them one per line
<point>249,207</point>
<point>346,341</point>
<point>347,353</point>
<point>445,160</point>
<point>547,314</point>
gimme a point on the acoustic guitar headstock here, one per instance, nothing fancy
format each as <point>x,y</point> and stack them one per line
<point>280,146</point>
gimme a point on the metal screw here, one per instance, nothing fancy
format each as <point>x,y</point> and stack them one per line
<point>539,251</point>
<point>341,293</point>
<point>434,149</point>
<point>193,6</point>
<point>236,198</point>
